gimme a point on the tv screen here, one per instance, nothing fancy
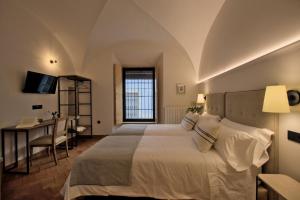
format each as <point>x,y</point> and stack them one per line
<point>40,83</point>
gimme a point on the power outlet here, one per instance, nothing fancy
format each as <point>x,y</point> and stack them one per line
<point>294,136</point>
<point>37,107</point>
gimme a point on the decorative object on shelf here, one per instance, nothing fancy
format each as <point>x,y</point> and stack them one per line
<point>180,88</point>
<point>293,97</point>
<point>276,100</point>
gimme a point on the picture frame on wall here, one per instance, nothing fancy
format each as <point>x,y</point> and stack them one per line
<point>180,88</point>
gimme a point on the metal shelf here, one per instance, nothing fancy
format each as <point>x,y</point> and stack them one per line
<point>76,89</point>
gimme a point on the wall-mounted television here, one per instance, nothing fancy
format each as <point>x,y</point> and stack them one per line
<point>40,83</point>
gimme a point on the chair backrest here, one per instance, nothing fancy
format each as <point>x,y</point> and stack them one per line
<point>60,128</point>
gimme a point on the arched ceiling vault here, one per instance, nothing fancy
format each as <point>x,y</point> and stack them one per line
<point>82,26</point>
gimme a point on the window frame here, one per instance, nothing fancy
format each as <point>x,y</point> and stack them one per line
<point>124,69</point>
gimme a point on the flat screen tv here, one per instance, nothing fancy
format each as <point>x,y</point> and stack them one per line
<point>40,83</point>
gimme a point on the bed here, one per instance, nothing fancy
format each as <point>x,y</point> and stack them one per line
<point>167,167</point>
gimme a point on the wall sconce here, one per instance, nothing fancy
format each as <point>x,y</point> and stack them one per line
<point>53,61</point>
<point>293,97</point>
<point>276,100</point>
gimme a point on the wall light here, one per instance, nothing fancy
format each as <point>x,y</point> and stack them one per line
<point>250,58</point>
<point>294,97</point>
<point>276,100</point>
<point>53,61</point>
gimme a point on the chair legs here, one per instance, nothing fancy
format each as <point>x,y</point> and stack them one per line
<point>54,154</point>
<point>31,154</point>
<point>67,150</point>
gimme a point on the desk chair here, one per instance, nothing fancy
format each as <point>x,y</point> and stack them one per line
<point>58,136</point>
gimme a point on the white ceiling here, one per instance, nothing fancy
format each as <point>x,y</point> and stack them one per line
<point>83,26</point>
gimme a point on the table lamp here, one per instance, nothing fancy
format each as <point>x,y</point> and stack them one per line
<point>200,99</point>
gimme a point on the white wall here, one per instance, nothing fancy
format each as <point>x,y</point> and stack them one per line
<point>244,30</point>
<point>281,67</point>
<point>98,66</point>
<point>25,45</point>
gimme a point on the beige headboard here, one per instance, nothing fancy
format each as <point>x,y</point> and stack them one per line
<point>215,104</point>
<point>246,108</point>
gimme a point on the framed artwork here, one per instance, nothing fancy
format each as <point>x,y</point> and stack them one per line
<point>180,88</point>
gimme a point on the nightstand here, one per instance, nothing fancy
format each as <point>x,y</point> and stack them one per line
<point>282,184</point>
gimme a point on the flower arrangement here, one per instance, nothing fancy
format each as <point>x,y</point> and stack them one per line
<point>195,108</point>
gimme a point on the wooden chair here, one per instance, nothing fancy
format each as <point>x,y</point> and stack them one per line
<point>58,136</point>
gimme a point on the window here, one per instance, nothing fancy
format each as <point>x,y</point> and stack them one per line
<point>139,94</point>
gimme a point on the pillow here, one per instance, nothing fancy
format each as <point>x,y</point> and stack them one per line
<point>204,134</point>
<point>189,120</point>
<point>263,137</point>
<point>211,117</point>
<point>235,147</point>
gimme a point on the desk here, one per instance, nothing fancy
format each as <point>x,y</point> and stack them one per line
<point>282,185</point>
<point>16,131</point>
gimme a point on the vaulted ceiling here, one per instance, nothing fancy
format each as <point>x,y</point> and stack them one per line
<point>82,25</point>
<point>216,35</point>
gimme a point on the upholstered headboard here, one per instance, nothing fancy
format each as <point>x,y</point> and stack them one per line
<point>246,108</point>
<point>215,104</point>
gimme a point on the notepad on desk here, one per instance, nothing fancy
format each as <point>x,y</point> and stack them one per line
<point>28,122</point>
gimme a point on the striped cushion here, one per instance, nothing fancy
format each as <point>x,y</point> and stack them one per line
<point>205,134</point>
<point>189,120</point>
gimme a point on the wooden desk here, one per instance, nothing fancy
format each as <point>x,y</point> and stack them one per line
<point>282,184</point>
<point>16,131</point>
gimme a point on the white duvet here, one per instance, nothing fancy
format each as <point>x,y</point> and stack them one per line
<point>166,130</point>
<point>172,168</point>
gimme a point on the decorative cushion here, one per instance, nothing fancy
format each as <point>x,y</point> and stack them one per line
<point>205,134</point>
<point>189,120</point>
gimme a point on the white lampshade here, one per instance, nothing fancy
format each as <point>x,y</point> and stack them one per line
<point>276,100</point>
<point>200,98</point>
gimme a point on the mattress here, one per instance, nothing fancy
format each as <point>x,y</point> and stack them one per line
<point>172,168</point>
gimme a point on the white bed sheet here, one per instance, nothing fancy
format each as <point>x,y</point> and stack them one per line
<point>166,130</point>
<point>172,168</point>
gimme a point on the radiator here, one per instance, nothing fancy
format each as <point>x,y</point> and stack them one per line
<point>173,114</point>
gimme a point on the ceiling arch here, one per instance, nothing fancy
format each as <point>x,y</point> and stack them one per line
<point>76,23</point>
<point>246,30</point>
<point>70,21</point>
<point>187,21</point>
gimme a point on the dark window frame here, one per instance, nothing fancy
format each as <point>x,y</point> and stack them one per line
<point>124,69</point>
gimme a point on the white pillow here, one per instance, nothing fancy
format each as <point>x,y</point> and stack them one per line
<point>263,137</point>
<point>211,117</point>
<point>205,134</point>
<point>236,147</point>
<point>189,120</point>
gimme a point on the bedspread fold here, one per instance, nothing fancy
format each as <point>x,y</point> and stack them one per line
<point>107,163</point>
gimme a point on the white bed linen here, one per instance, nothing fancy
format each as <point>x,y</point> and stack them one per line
<point>173,168</point>
<point>166,130</point>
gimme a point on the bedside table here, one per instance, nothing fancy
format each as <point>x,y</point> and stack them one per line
<point>282,185</point>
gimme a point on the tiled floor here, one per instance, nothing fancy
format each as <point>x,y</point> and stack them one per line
<point>45,179</point>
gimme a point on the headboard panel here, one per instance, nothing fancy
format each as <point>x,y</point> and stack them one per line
<point>215,104</point>
<point>246,108</point>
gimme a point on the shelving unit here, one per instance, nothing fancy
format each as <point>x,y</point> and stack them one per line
<point>75,101</point>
